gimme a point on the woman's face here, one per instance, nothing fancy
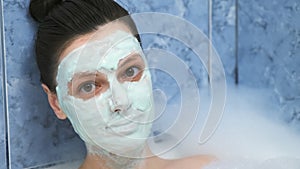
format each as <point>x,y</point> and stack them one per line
<point>104,88</point>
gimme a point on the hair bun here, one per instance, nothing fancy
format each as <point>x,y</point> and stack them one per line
<point>39,9</point>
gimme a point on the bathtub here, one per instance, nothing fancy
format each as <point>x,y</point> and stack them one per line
<point>248,137</point>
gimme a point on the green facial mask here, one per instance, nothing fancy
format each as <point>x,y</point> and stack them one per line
<point>119,119</point>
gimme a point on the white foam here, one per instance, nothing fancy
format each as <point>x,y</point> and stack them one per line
<point>249,135</point>
<point>247,138</point>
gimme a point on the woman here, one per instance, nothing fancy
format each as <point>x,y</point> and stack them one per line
<point>95,74</point>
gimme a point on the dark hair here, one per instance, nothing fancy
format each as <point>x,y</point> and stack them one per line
<point>61,21</point>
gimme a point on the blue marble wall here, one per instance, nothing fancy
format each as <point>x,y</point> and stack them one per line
<point>223,34</point>
<point>269,51</point>
<point>2,111</point>
<point>268,57</point>
<point>36,136</point>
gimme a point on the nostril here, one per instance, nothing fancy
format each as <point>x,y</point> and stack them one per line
<point>117,110</point>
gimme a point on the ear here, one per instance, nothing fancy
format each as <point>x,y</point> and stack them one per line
<point>53,101</point>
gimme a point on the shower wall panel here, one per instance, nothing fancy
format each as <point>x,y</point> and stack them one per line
<point>269,52</point>
<point>3,152</point>
<point>37,137</point>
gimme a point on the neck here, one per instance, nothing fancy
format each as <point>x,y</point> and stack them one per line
<point>106,160</point>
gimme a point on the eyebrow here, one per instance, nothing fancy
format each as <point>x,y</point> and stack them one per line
<point>129,58</point>
<point>86,75</point>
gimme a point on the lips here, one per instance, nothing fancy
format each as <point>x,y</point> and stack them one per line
<point>124,129</point>
<point>123,119</point>
<point>125,125</point>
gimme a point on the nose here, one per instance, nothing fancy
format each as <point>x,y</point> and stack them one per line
<point>119,98</point>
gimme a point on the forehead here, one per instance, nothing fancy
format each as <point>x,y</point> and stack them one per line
<point>98,53</point>
<point>101,32</point>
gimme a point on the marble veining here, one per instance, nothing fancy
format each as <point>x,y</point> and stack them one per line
<point>223,33</point>
<point>269,51</point>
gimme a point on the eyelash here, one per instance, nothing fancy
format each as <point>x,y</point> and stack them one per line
<point>137,72</point>
<point>81,87</point>
<point>134,68</point>
<point>86,89</point>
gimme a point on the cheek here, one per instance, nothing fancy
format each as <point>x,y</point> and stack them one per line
<point>91,111</point>
<point>140,94</point>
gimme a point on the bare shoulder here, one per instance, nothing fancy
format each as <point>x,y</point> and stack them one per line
<point>193,162</point>
<point>84,165</point>
<point>90,162</point>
